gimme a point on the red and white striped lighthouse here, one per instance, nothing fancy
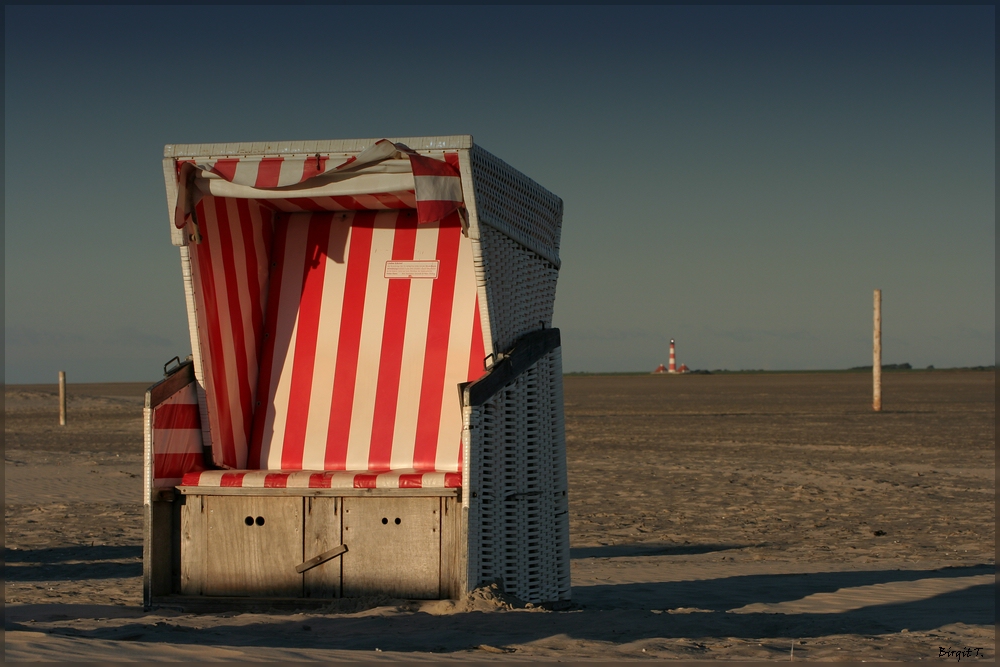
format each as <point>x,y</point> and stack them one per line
<point>672,367</point>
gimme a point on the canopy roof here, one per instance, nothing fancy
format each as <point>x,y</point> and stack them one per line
<point>384,175</point>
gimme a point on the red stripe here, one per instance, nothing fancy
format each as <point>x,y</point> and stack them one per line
<point>314,166</point>
<point>411,481</point>
<point>223,451</point>
<point>177,416</point>
<point>253,281</point>
<point>432,210</point>
<point>364,481</point>
<point>390,200</point>
<point>391,358</point>
<point>478,348</point>
<point>179,163</point>
<point>428,166</point>
<point>176,464</point>
<point>226,167</point>
<point>320,481</point>
<point>436,351</point>
<point>306,204</point>
<point>310,300</point>
<point>349,203</point>
<point>267,358</point>
<point>276,480</point>
<point>476,355</point>
<point>268,172</point>
<point>352,314</point>
<point>452,159</point>
<point>191,479</point>
<point>452,480</point>
<point>347,161</point>
<point>232,479</point>
<point>240,402</point>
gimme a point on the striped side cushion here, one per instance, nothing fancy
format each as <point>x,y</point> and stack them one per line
<point>177,445</point>
<point>372,322</point>
<point>306,479</point>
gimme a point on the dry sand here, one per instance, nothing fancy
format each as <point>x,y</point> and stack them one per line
<point>713,517</point>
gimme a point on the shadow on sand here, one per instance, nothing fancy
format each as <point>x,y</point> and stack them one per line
<point>615,613</point>
<point>72,563</point>
<point>633,550</point>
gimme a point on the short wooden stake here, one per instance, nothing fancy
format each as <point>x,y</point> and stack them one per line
<point>877,354</point>
<point>62,398</point>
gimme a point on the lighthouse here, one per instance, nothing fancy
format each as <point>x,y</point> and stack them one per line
<point>672,367</point>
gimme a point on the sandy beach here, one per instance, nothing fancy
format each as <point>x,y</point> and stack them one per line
<point>733,516</point>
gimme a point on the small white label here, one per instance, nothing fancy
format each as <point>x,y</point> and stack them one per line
<point>416,268</point>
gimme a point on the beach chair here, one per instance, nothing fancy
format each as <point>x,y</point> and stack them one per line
<point>373,405</point>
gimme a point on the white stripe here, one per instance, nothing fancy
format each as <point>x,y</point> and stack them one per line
<point>432,480</point>
<point>246,172</point>
<point>175,440</point>
<point>209,416</point>
<point>284,345</point>
<point>369,202</point>
<point>388,480</point>
<point>414,346</point>
<point>457,369</point>
<point>327,344</point>
<point>342,480</point>
<point>249,338</point>
<point>291,171</point>
<point>211,478</point>
<point>438,188</point>
<point>370,351</point>
<point>298,480</point>
<point>224,316</point>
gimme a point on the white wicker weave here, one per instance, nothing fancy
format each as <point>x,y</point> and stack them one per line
<point>518,506</point>
<point>520,491</point>
<point>512,203</point>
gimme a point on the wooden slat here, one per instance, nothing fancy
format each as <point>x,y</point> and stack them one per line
<point>338,550</point>
<point>452,551</point>
<point>253,560</point>
<point>164,389</point>
<point>322,533</point>
<point>399,559</point>
<point>228,604</point>
<point>159,558</point>
<point>192,540</point>
<point>526,352</point>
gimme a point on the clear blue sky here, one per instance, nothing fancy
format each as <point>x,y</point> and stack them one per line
<point>737,178</point>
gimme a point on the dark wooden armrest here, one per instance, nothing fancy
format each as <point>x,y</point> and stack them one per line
<point>526,352</point>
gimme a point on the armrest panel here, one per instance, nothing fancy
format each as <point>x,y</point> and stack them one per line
<point>526,352</point>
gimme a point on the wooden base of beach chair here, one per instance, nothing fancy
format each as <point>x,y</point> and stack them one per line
<point>252,545</point>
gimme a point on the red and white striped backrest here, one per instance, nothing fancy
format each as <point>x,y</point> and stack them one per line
<point>372,321</point>
<point>230,277</point>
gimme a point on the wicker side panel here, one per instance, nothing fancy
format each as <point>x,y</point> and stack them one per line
<point>522,534</point>
<point>520,287</point>
<point>512,203</point>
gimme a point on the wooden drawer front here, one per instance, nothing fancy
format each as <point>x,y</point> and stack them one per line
<point>252,546</point>
<point>322,533</point>
<point>394,547</point>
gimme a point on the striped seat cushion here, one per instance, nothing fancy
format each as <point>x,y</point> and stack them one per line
<point>318,479</point>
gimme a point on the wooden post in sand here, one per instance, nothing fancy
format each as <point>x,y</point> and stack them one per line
<point>877,354</point>
<point>62,398</point>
